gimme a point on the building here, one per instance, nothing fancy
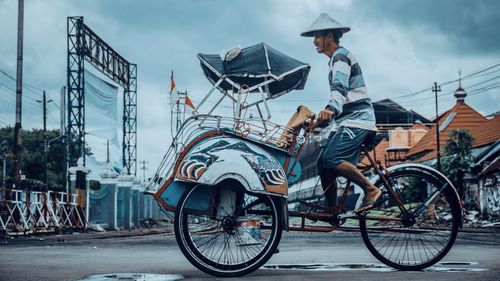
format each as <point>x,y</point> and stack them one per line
<point>405,136</point>
<point>461,116</point>
<point>419,144</point>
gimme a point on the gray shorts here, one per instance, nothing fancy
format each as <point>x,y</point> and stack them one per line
<point>343,145</point>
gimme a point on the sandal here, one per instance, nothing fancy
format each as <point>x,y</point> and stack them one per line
<point>368,204</point>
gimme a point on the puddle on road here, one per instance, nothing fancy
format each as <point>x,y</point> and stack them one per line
<point>133,277</point>
<point>378,267</point>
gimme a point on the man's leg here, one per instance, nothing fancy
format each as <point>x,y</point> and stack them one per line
<point>350,172</point>
<point>329,184</point>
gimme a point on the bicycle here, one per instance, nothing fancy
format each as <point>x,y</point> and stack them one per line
<point>227,181</point>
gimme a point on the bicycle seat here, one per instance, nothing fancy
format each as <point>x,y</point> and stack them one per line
<point>369,142</point>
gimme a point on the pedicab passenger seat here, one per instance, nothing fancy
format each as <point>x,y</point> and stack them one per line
<point>259,73</point>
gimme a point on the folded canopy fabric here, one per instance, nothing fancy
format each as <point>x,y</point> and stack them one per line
<point>254,65</point>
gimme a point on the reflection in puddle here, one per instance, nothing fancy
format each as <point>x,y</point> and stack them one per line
<point>378,267</point>
<point>132,277</point>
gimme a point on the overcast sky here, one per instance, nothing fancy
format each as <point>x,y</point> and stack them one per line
<point>403,46</point>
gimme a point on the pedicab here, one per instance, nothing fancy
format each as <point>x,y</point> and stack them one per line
<point>226,178</point>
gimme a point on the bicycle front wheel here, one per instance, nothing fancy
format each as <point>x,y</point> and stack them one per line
<point>419,237</point>
<point>227,232</point>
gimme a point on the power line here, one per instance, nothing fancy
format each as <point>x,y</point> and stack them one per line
<point>24,83</point>
<point>473,75</point>
<point>449,82</point>
<point>471,88</point>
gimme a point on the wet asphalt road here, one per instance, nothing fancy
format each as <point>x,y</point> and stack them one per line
<point>73,257</point>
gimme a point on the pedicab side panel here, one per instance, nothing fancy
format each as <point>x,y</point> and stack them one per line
<point>220,156</point>
<point>293,168</point>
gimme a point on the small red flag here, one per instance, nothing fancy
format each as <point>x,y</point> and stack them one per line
<point>172,83</point>
<point>189,103</point>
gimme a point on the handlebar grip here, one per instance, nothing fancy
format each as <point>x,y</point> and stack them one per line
<point>320,124</point>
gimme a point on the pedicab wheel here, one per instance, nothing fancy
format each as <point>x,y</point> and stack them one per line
<point>418,239</point>
<point>227,232</point>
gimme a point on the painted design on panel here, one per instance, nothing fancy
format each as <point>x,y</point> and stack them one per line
<point>267,170</point>
<point>193,166</point>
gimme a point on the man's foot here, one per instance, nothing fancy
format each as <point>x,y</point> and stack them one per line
<point>369,199</point>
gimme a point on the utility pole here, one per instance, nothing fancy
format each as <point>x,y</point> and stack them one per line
<point>45,139</point>
<point>107,151</point>
<point>143,168</point>
<point>62,134</point>
<point>19,96</point>
<point>4,150</point>
<point>437,89</point>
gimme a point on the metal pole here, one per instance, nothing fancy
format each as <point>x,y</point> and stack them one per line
<point>178,114</point>
<point>19,95</point>
<point>45,140</point>
<point>143,168</point>
<point>107,151</point>
<point>437,89</point>
<point>4,170</point>
<point>62,133</point>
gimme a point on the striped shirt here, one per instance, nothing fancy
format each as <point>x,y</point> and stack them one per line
<point>348,95</point>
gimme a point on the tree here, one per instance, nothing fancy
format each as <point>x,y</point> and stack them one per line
<point>33,160</point>
<point>458,157</point>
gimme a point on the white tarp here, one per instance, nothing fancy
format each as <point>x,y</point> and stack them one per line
<point>102,118</point>
<point>102,95</point>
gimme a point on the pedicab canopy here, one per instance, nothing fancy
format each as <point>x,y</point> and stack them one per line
<point>253,66</point>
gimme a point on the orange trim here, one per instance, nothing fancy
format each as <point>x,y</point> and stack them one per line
<point>200,172</point>
<point>280,189</point>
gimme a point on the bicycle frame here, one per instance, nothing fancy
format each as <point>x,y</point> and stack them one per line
<point>337,215</point>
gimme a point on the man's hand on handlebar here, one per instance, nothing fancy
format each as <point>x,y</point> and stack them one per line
<point>324,117</point>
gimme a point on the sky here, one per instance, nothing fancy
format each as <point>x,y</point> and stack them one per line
<point>402,46</point>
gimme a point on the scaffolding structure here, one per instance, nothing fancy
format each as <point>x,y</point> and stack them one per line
<point>83,44</point>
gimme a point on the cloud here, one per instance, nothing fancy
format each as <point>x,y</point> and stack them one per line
<point>403,46</point>
<point>468,26</point>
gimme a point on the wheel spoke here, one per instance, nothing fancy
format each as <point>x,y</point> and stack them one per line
<point>408,242</point>
<point>228,236</point>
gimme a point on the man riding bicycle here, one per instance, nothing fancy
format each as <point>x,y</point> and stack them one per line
<point>351,110</point>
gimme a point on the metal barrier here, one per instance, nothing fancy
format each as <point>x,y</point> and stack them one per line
<point>25,212</point>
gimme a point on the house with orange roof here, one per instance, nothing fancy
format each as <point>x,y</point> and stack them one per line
<point>487,166</point>
<point>461,116</point>
<point>395,150</point>
<point>419,144</point>
<point>482,184</point>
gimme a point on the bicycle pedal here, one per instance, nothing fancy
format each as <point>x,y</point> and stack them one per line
<point>362,213</point>
<point>312,205</point>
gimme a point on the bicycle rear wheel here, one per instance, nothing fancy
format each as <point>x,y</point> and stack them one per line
<point>422,236</point>
<point>227,232</point>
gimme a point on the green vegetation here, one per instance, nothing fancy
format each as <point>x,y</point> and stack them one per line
<point>458,157</point>
<point>33,159</point>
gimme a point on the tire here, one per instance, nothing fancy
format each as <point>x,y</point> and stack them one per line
<point>222,233</point>
<point>413,243</point>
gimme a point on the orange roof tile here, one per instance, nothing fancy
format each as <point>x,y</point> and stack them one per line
<point>466,118</point>
<point>487,133</point>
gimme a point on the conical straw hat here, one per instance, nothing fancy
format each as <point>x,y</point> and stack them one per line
<point>324,22</point>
